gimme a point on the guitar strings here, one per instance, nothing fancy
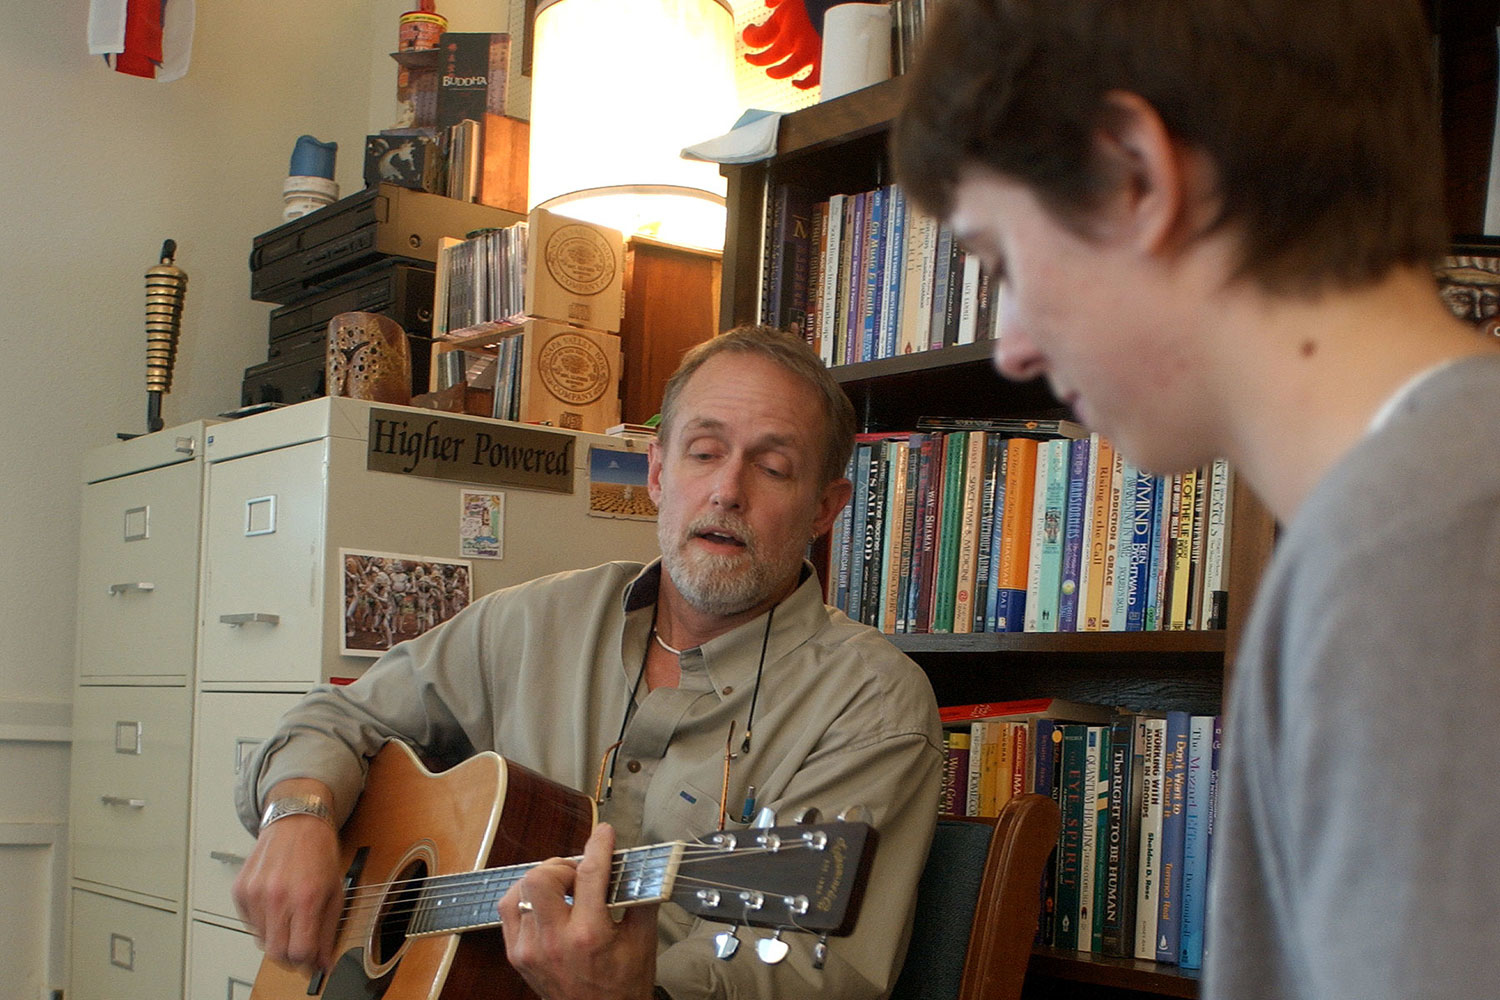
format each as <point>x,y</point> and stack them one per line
<point>484,885</point>
<point>620,861</point>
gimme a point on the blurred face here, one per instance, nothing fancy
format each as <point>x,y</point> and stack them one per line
<point>736,485</point>
<point>1094,316</point>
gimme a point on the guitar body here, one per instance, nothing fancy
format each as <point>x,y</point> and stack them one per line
<point>411,824</point>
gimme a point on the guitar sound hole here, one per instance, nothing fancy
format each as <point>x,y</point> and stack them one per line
<point>397,910</point>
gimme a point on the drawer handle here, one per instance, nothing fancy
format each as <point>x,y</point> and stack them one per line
<point>248,617</point>
<point>120,800</point>
<point>125,588</point>
<point>227,857</point>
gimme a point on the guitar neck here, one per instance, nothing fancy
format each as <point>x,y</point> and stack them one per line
<point>444,904</point>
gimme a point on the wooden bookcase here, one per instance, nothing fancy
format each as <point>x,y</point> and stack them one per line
<point>839,146</point>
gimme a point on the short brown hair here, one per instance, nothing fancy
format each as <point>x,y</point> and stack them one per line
<point>791,353</point>
<point>1319,117</point>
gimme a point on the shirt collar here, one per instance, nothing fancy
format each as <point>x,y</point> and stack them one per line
<point>737,652</point>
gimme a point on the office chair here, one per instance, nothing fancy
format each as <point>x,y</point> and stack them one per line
<point>977,904</point>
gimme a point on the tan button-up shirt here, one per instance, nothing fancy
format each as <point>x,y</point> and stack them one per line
<point>543,674</point>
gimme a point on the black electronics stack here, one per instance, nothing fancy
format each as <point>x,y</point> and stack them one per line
<point>375,251</point>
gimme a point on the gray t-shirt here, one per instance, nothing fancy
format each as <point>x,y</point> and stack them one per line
<point>1354,852</point>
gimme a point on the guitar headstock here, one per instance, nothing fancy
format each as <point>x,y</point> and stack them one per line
<point>806,878</point>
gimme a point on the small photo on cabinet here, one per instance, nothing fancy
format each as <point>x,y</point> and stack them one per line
<point>390,597</point>
<point>617,484</point>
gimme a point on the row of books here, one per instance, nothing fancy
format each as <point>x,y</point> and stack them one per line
<point>1035,526</point>
<point>484,279</point>
<point>1136,792</point>
<point>865,276</point>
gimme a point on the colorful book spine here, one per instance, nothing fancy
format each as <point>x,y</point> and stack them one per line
<point>989,533</point>
<point>931,520</point>
<point>1180,589</point>
<point>1070,837</point>
<point>1142,524</point>
<point>975,451</point>
<point>909,517</point>
<point>1195,841</point>
<point>1015,533</point>
<point>1052,494</point>
<point>955,773</point>
<point>1173,830</point>
<point>955,462</point>
<point>1074,509</point>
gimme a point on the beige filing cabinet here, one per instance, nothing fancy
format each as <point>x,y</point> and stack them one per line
<point>288,492</point>
<point>137,627</point>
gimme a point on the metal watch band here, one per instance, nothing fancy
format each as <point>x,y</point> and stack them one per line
<point>296,805</point>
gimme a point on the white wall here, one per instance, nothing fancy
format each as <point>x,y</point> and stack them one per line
<point>96,169</point>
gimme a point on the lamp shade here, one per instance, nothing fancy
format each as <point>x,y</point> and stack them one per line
<point>618,90</point>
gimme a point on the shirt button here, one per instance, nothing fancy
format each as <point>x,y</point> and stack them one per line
<point>633,766</point>
<point>729,689</point>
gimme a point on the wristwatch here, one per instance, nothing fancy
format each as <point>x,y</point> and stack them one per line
<point>296,805</point>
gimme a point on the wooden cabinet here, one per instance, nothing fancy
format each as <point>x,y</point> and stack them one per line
<point>839,146</point>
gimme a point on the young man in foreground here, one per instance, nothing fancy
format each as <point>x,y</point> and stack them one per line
<point>1213,224</point>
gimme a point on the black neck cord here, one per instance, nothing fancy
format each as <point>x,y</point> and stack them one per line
<point>635,688</point>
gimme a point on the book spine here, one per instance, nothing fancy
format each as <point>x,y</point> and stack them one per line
<point>854,288</point>
<point>874,535</point>
<point>955,773</point>
<point>861,503</point>
<point>1142,524</point>
<point>1182,553</point>
<point>1073,529</point>
<point>1216,550</point>
<point>916,295</point>
<point>955,461</point>
<point>1015,534</point>
<point>1117,900</point>
<point>1053,522</point>
<point>975,451</point>
<point>1047,746</point>
<point>1102,460</point>
<point>839,544</point>
<point>922,537</point>
<point>874,258</point>
<point>931,518</point>
<point>968,301</point>
<point>812,328</point>
<point>1173,828</point>
<point>1123,475</point>
<point>1168,490</point>
<point>1088,855</point>
<point>896,544</point>
<point>978,733</point>
<point>1195,841</point>
<point>1070,838</point>
<point>1101,840</point>
<point>1152,741</point>
<point>989,533</point>
<point>909,515</point>
<point>941,279</point>
<point>828,312</point>
<point>895,272</point>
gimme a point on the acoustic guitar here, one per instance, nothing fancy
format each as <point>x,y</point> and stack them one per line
<point>428,857</point>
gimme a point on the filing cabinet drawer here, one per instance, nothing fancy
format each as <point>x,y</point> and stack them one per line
<point>263,597</point>
<point>130,788</point>
<point>230,726</point>
<point>123,950</point>
<point>138,576</point>
<point>221,963</point>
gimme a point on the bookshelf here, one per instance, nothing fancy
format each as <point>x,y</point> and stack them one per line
<point>839,146</point>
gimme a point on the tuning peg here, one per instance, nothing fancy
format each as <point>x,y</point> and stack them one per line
<point>726,943</point>
<point>765,819</point>
<point>809,816</point>
<point>772,949</point>
<point>855,814</point>
<point>820,952</point>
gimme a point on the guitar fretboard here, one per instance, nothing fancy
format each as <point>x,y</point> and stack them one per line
<point>444,904</point>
